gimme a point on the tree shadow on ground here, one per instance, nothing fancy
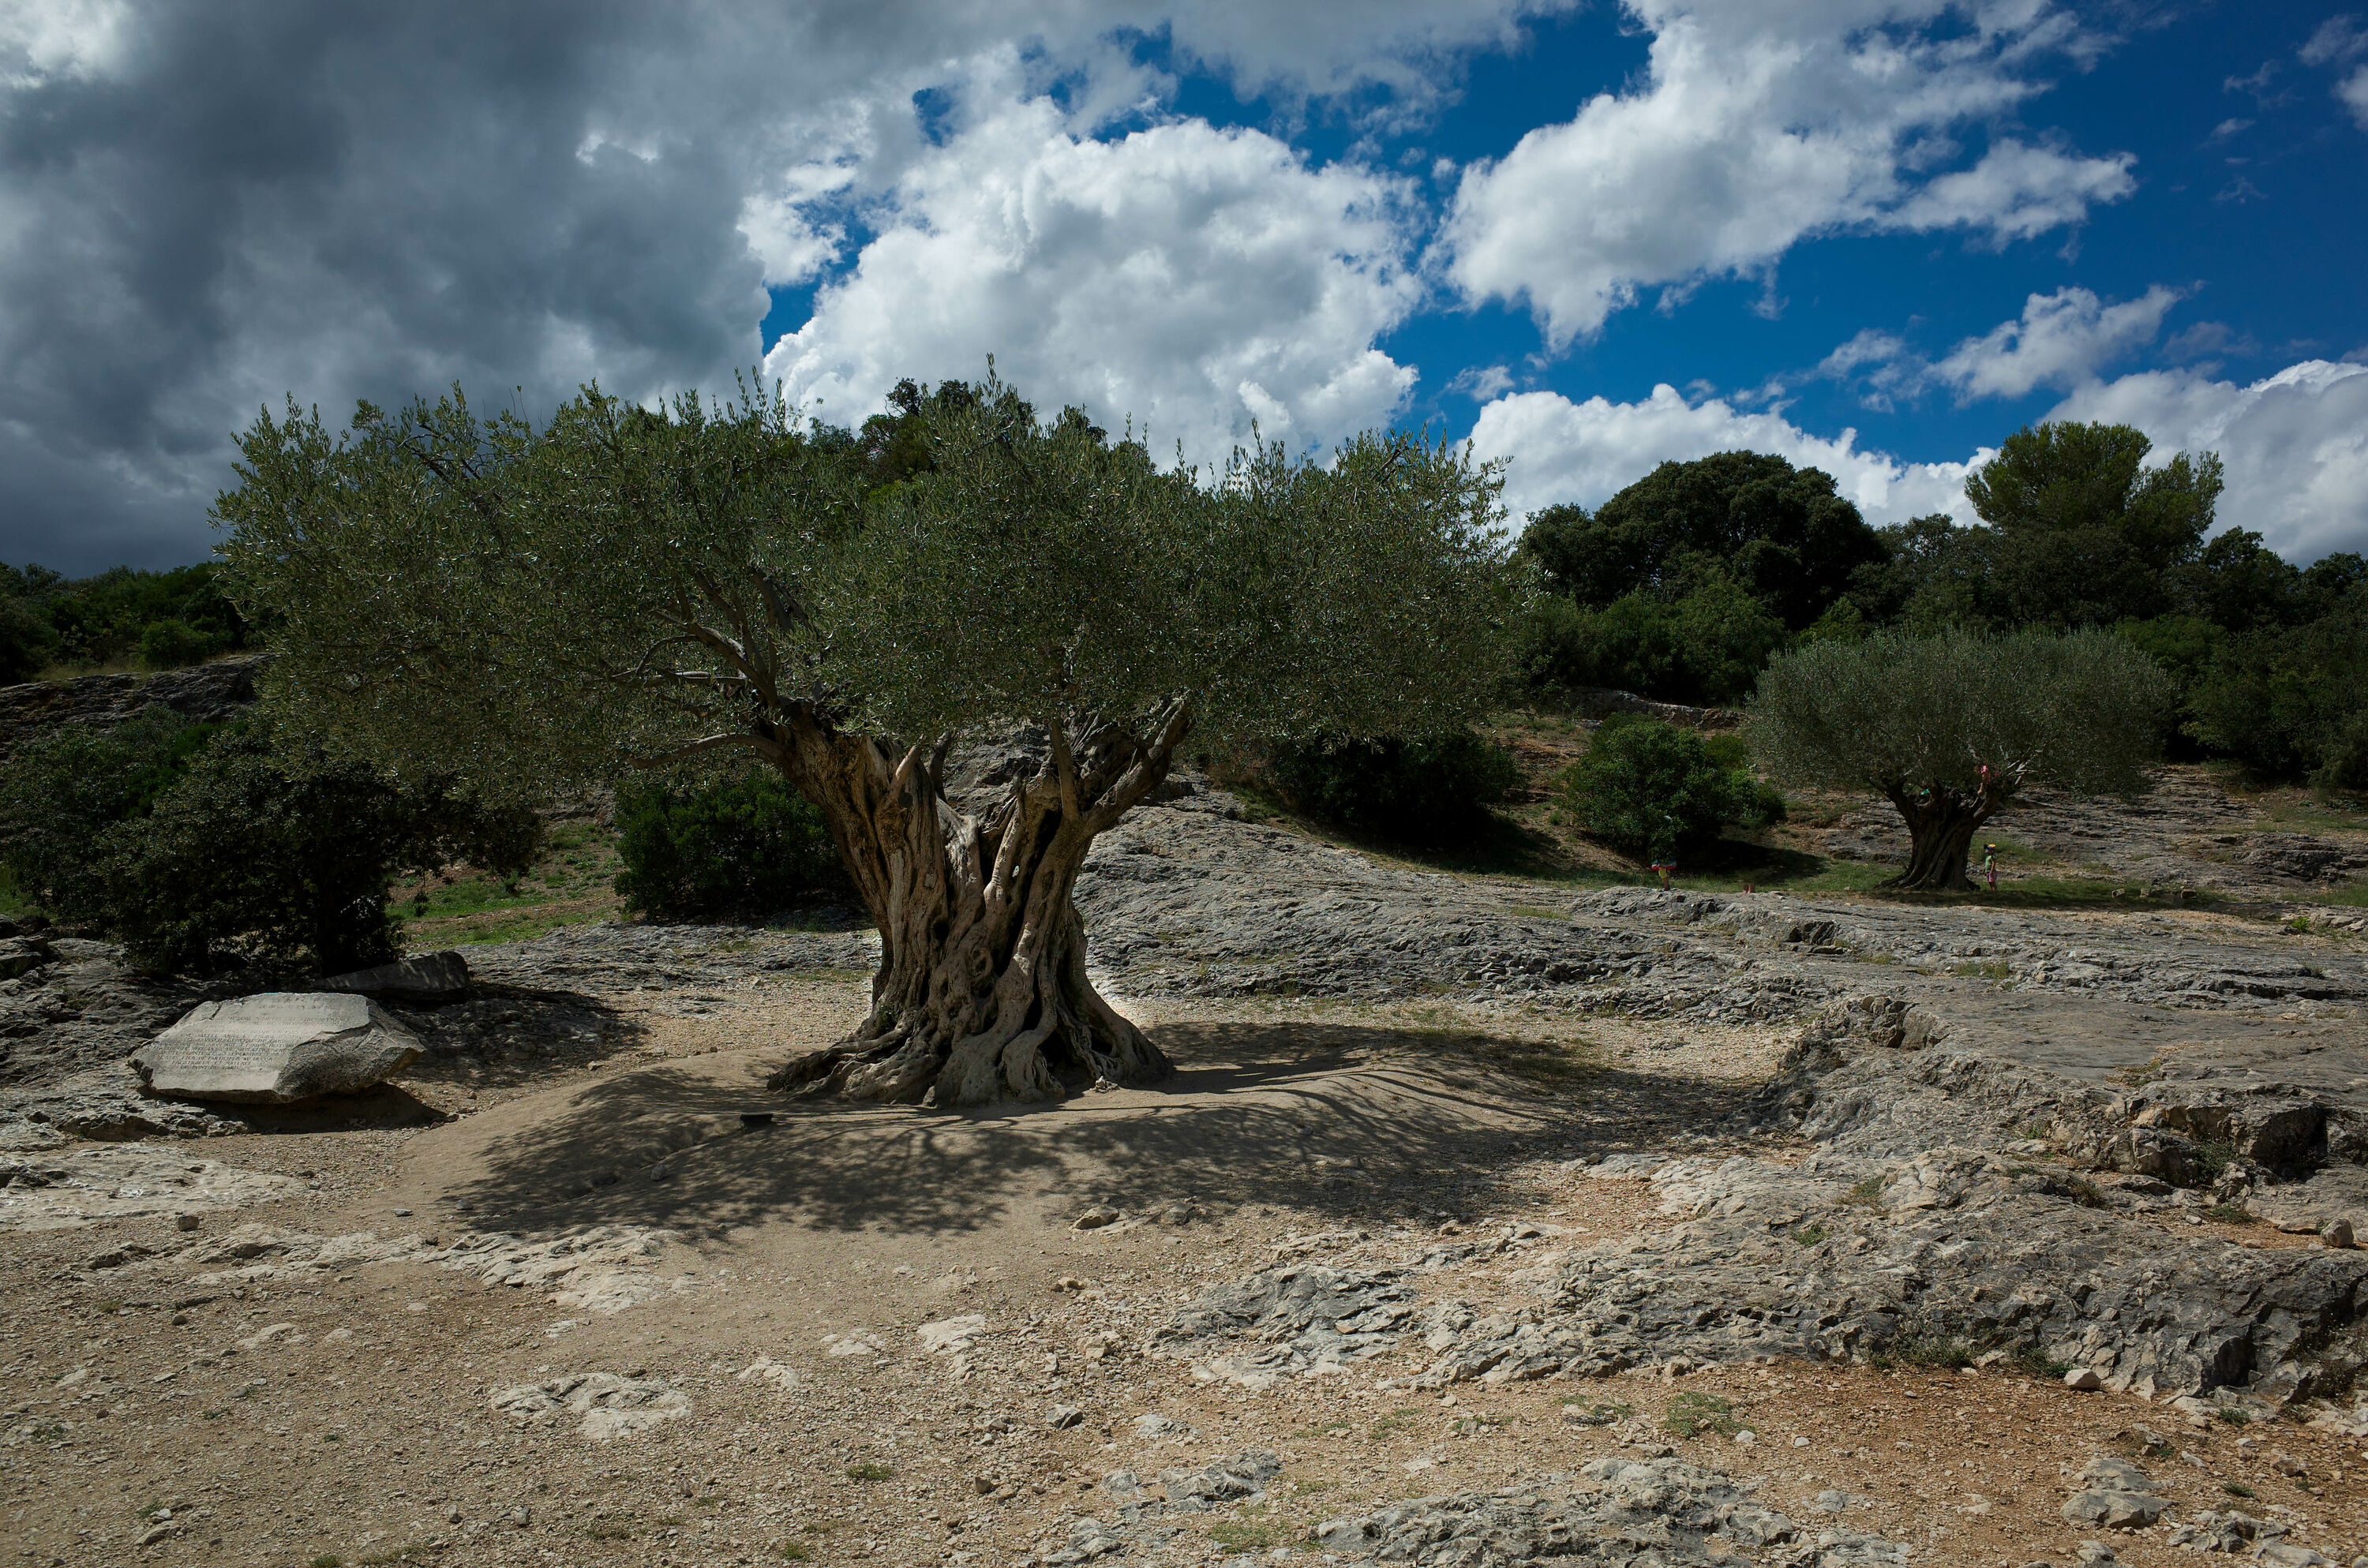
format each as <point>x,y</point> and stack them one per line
<point>1355,1123</point>
<point>549,1030</point>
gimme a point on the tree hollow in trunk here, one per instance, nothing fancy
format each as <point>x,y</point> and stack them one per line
<point>981,994</point>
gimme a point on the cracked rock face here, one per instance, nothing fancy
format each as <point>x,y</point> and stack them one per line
<point>605,1405</point>
<point>46,1190</point>
<point>1299,1319</point>
<point>1932,1223</point>
<point>1655,1511</point>
<point>2115,1494</point>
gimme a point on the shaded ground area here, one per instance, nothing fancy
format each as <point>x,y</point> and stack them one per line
<point>1514,1178</point>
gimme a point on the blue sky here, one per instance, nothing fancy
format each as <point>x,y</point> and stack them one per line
<point>1874,234</point>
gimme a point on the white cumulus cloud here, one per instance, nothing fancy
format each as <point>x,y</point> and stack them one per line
<point>2353,92</point>
<point>1560,451</point>
<point>2061,340</point>
<point>1759,124</point>
<point>1195,279</point>
<point>2296,444</point>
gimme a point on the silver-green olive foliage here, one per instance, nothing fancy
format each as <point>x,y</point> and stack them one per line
<point>1950,727</point>
<point>622,586</point>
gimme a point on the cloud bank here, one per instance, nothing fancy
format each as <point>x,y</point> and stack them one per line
<point>1559,451</point>
<point>1757,125</point>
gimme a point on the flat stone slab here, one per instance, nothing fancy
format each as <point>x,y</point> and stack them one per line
<point>276,1048</point>
<point>433,977</point>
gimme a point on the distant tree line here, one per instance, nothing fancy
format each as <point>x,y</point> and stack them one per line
<point>159,620</point>
<point>1683,586</point>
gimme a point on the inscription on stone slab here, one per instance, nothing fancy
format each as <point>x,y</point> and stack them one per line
<point>275,1047</point>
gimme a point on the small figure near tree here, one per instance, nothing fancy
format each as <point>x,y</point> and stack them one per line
<point>629,587</point>
<point>1949,729</point>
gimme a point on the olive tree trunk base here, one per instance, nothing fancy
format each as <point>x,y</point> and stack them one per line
<point>981,994</point>
<point>1940,829</point>
<point>1038,1030</point>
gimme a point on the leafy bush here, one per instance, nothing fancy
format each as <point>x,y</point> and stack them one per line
<point>65,791</point>
<point>169,644</point>
<point>1428,791</point>
<point>1657,789</point>
<point>191,843</point>
<point>27,643</point>
<point>2292,703</point>
<point>746,844</point>
<point>117,614</point>
<point>1705,647</point>
<point>1783,534</point>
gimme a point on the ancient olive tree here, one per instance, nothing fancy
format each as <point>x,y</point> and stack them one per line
<point>1949,729</point>
<point>626,587</point>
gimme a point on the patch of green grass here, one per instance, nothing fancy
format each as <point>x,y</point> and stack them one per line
<point>1251,1532</point>
<point>109,1306</point>
<point>2352,895</point>
<point>2238,1489</point>
<point>1310,1488</point>
<point>49,1432</point>
<point>1924,1342</point>
<point>2312,816</point>
<point>2035,1362</point>
<point>216,1414</point>
<point>1693,1413</point>
<point>1866,1193</point>
<point>1810,1235</point>
<point>610,1530</point>
<point>869,1471</point>
<point>1399,1420</point>
<point>2232,1416</point>
<point>2084,1193</point>
<point>2035,1132</point>
<point>326,1560</point>
<point>2228,1214</point>
<point>1988,969</point>
<point>790,1550</point>
<point>2211,1157</point>
<point>524,926</point>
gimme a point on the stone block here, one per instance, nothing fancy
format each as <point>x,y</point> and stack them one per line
<point>276,1048</point>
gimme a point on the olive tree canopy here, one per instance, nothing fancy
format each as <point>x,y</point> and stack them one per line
<point>1950,727</point>
<point>628,586</point>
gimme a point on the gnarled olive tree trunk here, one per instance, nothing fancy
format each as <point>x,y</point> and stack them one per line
<point>982,993</point>
<point>1941,827</point>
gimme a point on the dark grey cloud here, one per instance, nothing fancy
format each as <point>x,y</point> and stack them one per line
<point>206,207</point>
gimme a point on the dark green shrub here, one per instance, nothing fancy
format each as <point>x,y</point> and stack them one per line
<point>1783,534</point>
<point>1706,647</point>
<point>1427,790</point>
<point>169,644</point>
<point>192,846</point>
<point>65,791</point>
<point>94,620</point>
<point>2292,703</point>
<point>746,844</point>
<point>27,643</point>
<point>1659,789</point>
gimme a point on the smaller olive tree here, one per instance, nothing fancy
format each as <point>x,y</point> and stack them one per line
<point>1949,729</point>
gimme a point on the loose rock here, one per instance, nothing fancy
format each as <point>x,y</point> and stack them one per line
<point>276,1048</point>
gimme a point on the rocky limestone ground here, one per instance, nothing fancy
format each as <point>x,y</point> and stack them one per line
<point>1484,1223</point>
